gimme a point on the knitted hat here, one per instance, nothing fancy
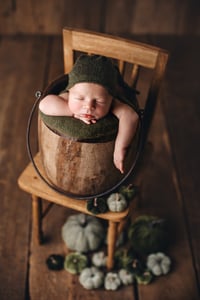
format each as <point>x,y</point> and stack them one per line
<point>96,69</point>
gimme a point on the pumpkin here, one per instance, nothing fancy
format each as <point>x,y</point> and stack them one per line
<point>148,234</point>
<point>138,267</point>
<point>158,263</point>
<point>123,259</point>
<point>99,259</point>
<point>83,233</point>
<point>55,262</point>
<point>112,281</point>
<point>144,278</point>
<point>117,202</point>
<point>128,191</point>
<point>75,263</point>
<point>97,205</point>
<point>126,277</point>
<point>91,278</point>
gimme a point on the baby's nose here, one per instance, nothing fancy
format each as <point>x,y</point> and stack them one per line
<point>89,106</point>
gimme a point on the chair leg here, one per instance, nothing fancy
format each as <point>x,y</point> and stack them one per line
<point>121,226</point>
<point>112,236</point>
<point>37,219</point>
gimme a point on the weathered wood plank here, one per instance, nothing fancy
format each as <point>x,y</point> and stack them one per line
<point>39,18</point>
<point>184,129</point>
<point>152,17</point>
<point>120,17</point>
<point>160,195</point>
<point>17,63</point>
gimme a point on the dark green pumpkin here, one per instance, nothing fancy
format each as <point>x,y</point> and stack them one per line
<point>97,205</point>
<point>148,234</point>
<point>128,191</point>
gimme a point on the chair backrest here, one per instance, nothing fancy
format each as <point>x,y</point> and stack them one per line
<point>129,54</point>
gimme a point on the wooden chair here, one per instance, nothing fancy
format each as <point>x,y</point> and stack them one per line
<point>129,55</point>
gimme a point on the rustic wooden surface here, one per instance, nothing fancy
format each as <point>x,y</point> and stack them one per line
<point>169,182</point>
<point>119,17</point>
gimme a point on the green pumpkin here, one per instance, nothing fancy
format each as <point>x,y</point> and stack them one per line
<point>148,234</point>
<point>97,206</point>
<point>128,191</point>
<point>91,278</point>
<point>75,262</point>
<point>83,233</point>
<point>123,259</point>
<point>145,278</point>
<point>117,202</point>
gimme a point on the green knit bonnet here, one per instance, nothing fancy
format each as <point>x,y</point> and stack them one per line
<point>96,69</point>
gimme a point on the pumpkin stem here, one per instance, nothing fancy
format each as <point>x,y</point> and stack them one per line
<point>83,220</point>
<point>95,202</point>
<point>158,222</point>
<point>117,198</point>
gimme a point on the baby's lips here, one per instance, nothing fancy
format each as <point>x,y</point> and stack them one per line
<point>88,116</point>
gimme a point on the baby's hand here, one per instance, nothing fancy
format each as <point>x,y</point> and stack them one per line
<point>119,155</point>
<point>88,119</point>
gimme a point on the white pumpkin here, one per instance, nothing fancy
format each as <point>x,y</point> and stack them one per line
<point>91,278</point>
<point>83,233</point>
<point>112,281</point>
<point>158,263</point>
<point>117,202</point>
<point>99,259</point>
<point>126,277</point>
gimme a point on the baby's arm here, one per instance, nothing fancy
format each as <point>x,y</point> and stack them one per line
<point>128,121</point>
<point>55,105</point>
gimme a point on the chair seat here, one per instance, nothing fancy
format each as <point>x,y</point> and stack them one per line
<point>30,182</point>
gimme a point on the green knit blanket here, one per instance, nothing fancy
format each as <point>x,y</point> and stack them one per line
<point>102,131</point>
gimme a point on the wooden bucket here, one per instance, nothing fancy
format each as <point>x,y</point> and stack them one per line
<point>82,168</point>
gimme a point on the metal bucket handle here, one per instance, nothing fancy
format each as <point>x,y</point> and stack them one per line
<point>140,145</point>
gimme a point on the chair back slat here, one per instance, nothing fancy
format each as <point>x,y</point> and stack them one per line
<point>134,75</point>
<point>121,66</point>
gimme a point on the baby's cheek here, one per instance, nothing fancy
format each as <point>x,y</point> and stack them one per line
<point>74,107</point>
<point>103,111</point>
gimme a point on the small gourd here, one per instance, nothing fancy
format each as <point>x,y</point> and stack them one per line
<point>97,205</point>
<point>158,263</point>
<point>75,262</point>
<point>126,277</point>
<point>91,278</point>
<point>123,259</point>
<point>99,259</point>
<point>83,233</point>
<point>55,262</point>
<point>112,281</point>
<point>117,202</point>
<point>145,278</point>
<point>128,191</point>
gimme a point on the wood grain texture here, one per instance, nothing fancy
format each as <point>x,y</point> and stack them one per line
<point>171,176</point>
<point>114,16</point>
<point>16,97</point>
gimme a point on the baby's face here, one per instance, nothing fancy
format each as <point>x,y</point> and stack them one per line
<point>89,101</point>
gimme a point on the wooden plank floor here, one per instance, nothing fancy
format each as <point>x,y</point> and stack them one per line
<point>169,182</point>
